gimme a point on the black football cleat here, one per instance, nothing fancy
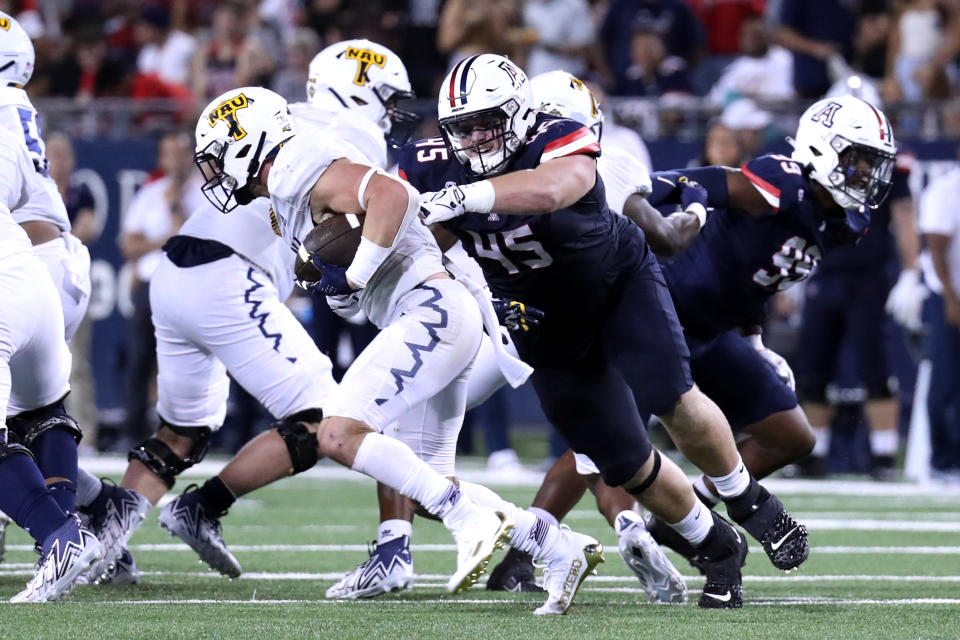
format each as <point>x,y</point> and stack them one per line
<point>720,557</point>
<point>765,518</point>
<point>514,573</point>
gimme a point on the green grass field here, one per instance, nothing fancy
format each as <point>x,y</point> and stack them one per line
<point>885,564</point>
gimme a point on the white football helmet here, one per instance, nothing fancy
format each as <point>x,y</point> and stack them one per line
<point>16,53</point>
<point>847,145</point>
<point>236,133</point>
<point>563,94</point>
<point>489,94</point>
<point>365,76</point>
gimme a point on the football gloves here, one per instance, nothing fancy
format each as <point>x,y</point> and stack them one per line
<point>333,280</point>
<point>516,316</point>
<point>445,204</point>
<point>691,192</point>
<point>905,302</point>
<point>775,360</point>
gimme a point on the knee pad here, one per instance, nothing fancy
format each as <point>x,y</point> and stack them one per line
<point>301,442</point>
<point>30,425</point>
<point>8,449</point>
<point>162,461</point>
<point>651,477</point>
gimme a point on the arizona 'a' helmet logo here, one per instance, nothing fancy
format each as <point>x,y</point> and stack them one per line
<point>365,59</point>
<point>226,111</point>
<point>826,114</point>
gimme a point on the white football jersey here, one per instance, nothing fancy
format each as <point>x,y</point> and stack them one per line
<point>295,171</point>
<point>18,116</point>
<point>16,170</point>
<point>622,175</point>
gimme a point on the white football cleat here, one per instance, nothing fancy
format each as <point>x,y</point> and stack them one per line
<point>477,536</point>
<point>563,575</point>
<point>659,578</point>
<point>389,568</point>
<point>68,552</point>
<point>113,519</point>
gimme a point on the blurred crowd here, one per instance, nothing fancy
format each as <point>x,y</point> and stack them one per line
<point>769,50</point>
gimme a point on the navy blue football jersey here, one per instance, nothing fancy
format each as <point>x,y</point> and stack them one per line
<point>551,261</point>
<point>725,278</point>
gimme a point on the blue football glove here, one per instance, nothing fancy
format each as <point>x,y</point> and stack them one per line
<point>516,316</point>
<point>333,280</point>
<point>691,191</point>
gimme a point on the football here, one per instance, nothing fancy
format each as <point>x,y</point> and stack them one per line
<point>334,240</point>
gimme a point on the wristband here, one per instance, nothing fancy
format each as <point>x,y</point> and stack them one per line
<point>698,210</point>
<point>479,196</point>
<point>365,263</point>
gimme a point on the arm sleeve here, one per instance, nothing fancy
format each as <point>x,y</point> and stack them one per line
<point>666,188</point>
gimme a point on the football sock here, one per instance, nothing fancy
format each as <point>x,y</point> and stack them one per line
<point>88,488</point>
<point>531,534</point>
<point>217,495</point>
<point>393,463</point>
<point>703,492</point>
<point>734,483</point>
<point>56,453</point>
<point>544,515</point>
<point>393,529</point>
<point>883,443</point>
<point>696,525</point>
<point>25,498</point>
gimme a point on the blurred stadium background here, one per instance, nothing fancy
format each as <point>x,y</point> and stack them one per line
<point>681,81</point>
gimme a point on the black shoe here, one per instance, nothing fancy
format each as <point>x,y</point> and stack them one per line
<point>883,468</point>
<point>764,517</point>
<point>514,573</point>
<point>720,557</point>
<point>667,536</point>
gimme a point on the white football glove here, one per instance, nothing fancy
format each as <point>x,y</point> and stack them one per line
<point>905,302</point>
<point>778,362</point>
<point>437,206</point>
<point>346,306</point>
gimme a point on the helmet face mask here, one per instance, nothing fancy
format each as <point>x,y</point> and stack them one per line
<point>482,139</point>
<point>863,174</point>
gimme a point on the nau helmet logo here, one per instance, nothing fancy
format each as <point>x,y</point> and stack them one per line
<point>227,112</point>
<point>5,24</point>
<point>580,85</point>
<point>826,114</point>
<point>365,59</point>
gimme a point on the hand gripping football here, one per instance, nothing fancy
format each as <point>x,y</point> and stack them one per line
<point>334,240</point>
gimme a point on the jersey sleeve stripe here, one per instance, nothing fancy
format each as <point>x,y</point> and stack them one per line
<point>403,174</point>
<point>769,192</point>
<point>574,148</point>
<point>567,139</point>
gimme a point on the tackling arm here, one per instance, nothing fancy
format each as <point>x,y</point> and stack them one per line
<point>727,188</point>
<point>667,236</point>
